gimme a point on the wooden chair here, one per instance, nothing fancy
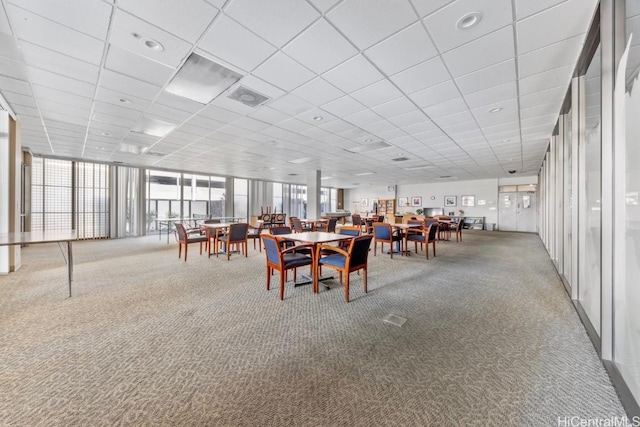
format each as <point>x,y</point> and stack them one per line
<point>184,239</point>
<point>356,220</point>
<point>236,236</point>
<point>423,235</point>
<point>283,260</point>
<point>382,234</point>
<point>254,234</point>
<point>329,227</point>
<point>297,226</point>
<point>282,229</point>
<point>456,228</point>
<point>354,258</point>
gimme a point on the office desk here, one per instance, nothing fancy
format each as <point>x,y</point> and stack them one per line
<point>34,237</point>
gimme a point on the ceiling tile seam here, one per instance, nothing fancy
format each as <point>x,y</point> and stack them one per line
<point>538,12</point>
<point>515,46</point>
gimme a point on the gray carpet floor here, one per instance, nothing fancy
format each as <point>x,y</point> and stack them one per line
<point>490,338</point>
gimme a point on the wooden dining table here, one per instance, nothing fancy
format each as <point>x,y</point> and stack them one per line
<point>211,230</point>
<point>315,238</point>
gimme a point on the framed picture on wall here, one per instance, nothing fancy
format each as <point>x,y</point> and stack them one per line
<point>403,201</point>
<point>416,201</point>
<point>468,200</point>
<point>450,200</point>
<point>364,202</point>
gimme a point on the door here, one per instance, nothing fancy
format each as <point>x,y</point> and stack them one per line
<point>517,211</point>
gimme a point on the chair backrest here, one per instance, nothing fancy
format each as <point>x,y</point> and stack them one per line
<point>381,231</point>
<point>211,221</point>
<point>356,219</point>
<point>282,229</point>
<point>433,230</point>
<point>331,226</point>
<point>351,231</point>
<point>238,232</point>
<point>429,221</point>
<point>182,233</point>
<point>272,249</point>
<point>297,225</point>
<point>415,222</point>
<point>359,249</point>
<point>380,218</point>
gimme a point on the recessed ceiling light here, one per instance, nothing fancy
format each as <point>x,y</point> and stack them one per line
<point>153,127</point>
<point>326,177</point>
<point>495,110</point>
<point>105,134</point>
<point>367,147</point>
<point>125,101</point>
<point>300,160</point>
<point>469,20</point>
<point>317,118</point>
<point>152,44</point>
<point>363,173</point>
<point>368,140</point>
<point>415,168</point>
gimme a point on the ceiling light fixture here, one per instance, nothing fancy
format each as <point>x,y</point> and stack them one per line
<point>152,44</point>
<point>317,118</point>
<point>495,110</point>
<point>201,79</point>
<point>469,20</point>
<point>363,173</point>
<point>368,140</point>
<point>125,101</point>
<point>247,96</point>
<point>105,134</point>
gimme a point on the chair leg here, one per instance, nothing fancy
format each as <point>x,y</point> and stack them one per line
<point>281,286</point>
<point>186,247</point>
<point>269,273</point>
<point>434,249</point>
<point>179,250</point>
<point>364,278</point>
<point>346,287</point>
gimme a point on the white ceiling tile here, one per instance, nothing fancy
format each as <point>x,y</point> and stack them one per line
<point>56,81</point>
<point>343,106</point>
<point>291,104</point>
<point>128,85</point>
<point>492,95</point>
<point>325,5</point>
<point>320,47</point>
<point>561,22</point>
<point>61,96</point>
<point>116,110</point>
<point>426,7</point>
<point>11,68</point>
<point>187,19</point>
<point>87,16</point>
<point>405,49</point>
<point>426,74</point>
<point>480,53</point>
<point>55,62</point>
<point>442,24</point>
<point>15,85</point>
<point>487,77</point>
<point>116,97</point>
<point>19,99</point>
<point>283,72</point>
<point>167,113</point>
<point>131,33</point>
<point>141,68</point>
<point>453,106</point>
<point>543,97</point>
<point>546,80</point>
<point>553,56</point>
<point>395,108</point>
<point>540,110</point>
<point>342,75</point>
<point>277,21</point>
<point>377,93</point>
<point>318,92</point>
<point>54,36</point>
<point>233,43</point>
<point>435,94</point>
<point>410,118</point>
<point>366,22</point>
<point>363,118</point>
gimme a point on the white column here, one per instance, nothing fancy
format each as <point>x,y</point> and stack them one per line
<point>5,179</point>
<point>313,193</point>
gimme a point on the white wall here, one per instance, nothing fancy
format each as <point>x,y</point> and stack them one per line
<point>484,190</point>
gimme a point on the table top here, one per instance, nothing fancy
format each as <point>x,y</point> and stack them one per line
<point>216,225</point>
<point>405,226</point>
<point>52,236</point>
<point>315,237</point>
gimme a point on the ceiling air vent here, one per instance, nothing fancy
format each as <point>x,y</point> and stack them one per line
<point>400,159</point>
<point>247,96</point>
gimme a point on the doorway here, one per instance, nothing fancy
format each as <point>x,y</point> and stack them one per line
<point>517,208</point>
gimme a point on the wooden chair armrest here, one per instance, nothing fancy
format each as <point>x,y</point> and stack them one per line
<point>332,249</point>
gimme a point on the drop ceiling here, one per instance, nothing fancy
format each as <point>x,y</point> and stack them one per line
<point>86,77</point>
